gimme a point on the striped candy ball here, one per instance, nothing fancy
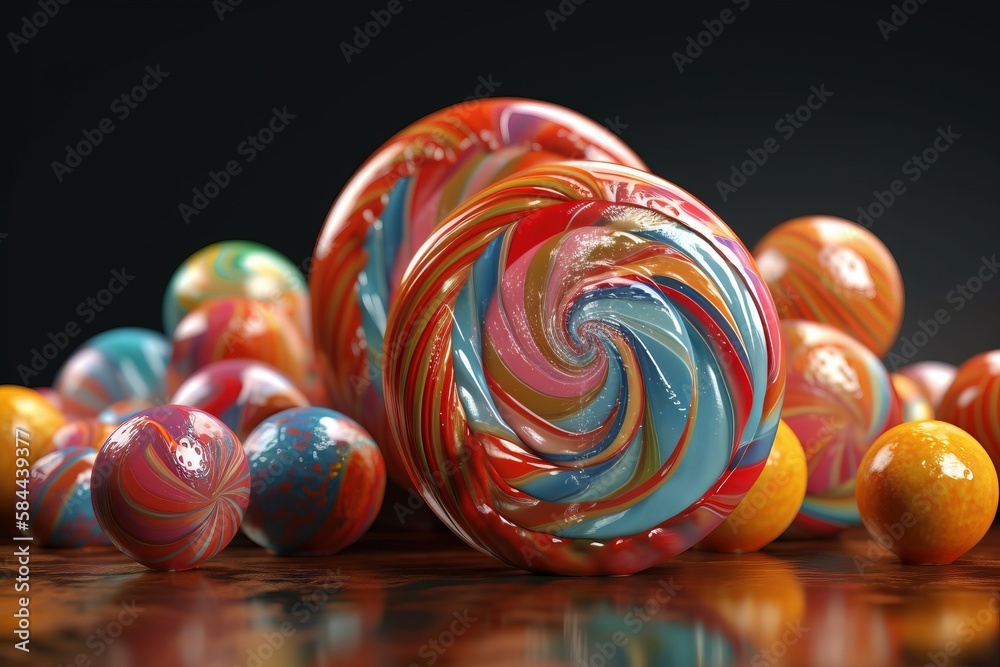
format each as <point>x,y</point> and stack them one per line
<point>170,487</point>
<point>972,402</point>
<point>62,513</point>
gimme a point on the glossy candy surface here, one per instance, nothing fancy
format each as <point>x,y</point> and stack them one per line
<point>586,370</point>
<point>236,268</point>
<point>831,270</point>
<point>933,377</point>
<point>27,423</point>
<point>771,503</point>
<point>913,402</point>
<point>838,399</point>
<point>240,392</point>
<point>241,328</point>
<point>170,487</point>
<point>927,491</point>
<point>390,207</point>
<point>89,433</point>
<point>972,402</point>
<point>62,514</point>
<point>317,479</point>
<point>118,364</point>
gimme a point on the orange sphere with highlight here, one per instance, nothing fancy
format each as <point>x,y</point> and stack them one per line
<point>771,503</point>
<point>927,491</point>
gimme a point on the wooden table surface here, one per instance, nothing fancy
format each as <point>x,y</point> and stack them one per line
<point>427,599</point>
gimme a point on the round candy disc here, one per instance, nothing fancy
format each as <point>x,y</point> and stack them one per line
<point>583,370</point>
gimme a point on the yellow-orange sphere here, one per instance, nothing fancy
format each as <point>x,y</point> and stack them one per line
<point>927,491</point>
<point>27,423</point>
<point>771,503</point>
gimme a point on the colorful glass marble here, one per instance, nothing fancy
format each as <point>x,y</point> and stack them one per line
<point>831,270</point>
<point>913,402</point>
<point>236,268</point>
<point>933,377</point>
<point>972,402</point>
<point>62,514</point>
<point>584,370</point>
<point>838,399</point>
<point>240,392</point>
<point>90,433</point>
<point>389,208</point>
<point>112,366</point>
<point>317,479</point>
<point>27,423</point>
<point>241,328</point>
<point>927,491</point>
<point>170,487</point>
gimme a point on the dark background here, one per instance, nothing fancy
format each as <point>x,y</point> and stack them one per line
<point>609,60</point>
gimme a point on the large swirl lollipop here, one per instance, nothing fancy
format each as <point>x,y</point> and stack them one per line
<point>392,204</point>
<point>583,370</point>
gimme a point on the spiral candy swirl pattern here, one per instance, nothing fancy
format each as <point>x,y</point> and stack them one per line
<point>971,402</point>
<point>585,371</point>
<point>62,514</point>
<point>394,202</point>
<point>170,487</point>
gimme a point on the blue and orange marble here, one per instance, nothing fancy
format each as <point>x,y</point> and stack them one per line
<point>89,433</point>
<point>317,481</point>
<point>62,513</point>
<point>119,364</point>
<point>170,487</point>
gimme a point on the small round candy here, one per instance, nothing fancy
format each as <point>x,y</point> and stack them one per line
<point>972,402</point>
<point>391,205</point>
<point>317,478</point>
<point>583,370</point>
<point>118,364</point>
<point>62,513</point>
<point>241,328</point>
<point>90,433</point>
<point>170,487</point>
<point>831,270</point>
<point>236,268</point>
<point>933,377</point>
<point>771,503</point>
<point>927,491</point>
<point>240,392</point>
<point>913,402</point>
<point>27,424</point>
<point>838,399</point>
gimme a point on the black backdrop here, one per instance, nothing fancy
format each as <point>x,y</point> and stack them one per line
<point>227,66</point>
